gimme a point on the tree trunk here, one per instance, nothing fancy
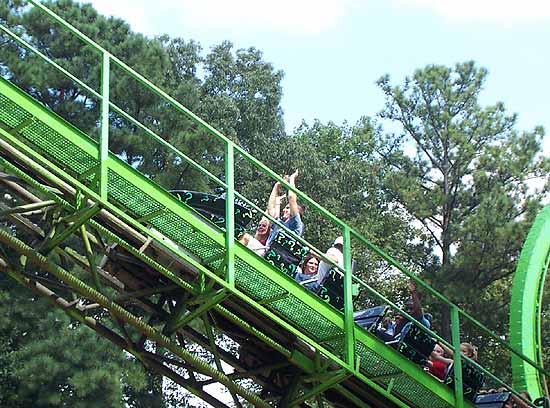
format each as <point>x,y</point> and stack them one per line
<point>446,322</point>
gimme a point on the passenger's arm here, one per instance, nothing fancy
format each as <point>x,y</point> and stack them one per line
<point>447,350</point>
<point>245,238</point>
<point>445,360</point>
<point>274,203</point>
<point>292,199</point>
<point>417,307</point>
<point>518,401</point>
<point>334,255</point>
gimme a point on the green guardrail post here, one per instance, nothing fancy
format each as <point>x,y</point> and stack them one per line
<point>348,300</point>
<point>104,135</point>
<point>457,358</point>
<point>230,213</point>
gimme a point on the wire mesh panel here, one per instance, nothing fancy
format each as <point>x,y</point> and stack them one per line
<point>138,197</point>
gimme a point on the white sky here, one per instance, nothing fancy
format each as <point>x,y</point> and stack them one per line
<point>307,16</point>
<point>495,11</point>
<point>332,51</point>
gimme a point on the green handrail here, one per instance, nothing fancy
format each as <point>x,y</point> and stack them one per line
<point>104,137</point>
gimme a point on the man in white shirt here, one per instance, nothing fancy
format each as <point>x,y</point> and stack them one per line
<point>336,254</point>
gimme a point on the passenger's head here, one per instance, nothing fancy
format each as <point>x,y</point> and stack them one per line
<point>264,228</point>
<point>409,307</point>
<point>311,264</point>
<point>286,211</point>
<point>339,244</point>
<point>469,350</point>
<point>438,350</point>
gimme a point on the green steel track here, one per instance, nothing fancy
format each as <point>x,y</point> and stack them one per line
<point>525,313</point>
<point>169,278</point>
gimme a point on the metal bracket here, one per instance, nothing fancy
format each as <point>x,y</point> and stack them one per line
<point>78,219</point>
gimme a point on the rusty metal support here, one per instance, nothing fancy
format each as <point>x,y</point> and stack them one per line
<point>129,318</point>
<point>92,323</point>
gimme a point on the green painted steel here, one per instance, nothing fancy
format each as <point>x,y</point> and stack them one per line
<point>57,151</point>
<point>311,319</point>
<point>348,299</point>
<point>104,136</point>
<point>455,333</point>
<point>525,305</point>
<point>10,241</point>
<point>230,215</point>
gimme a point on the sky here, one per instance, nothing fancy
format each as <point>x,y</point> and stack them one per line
<point>333,51</point>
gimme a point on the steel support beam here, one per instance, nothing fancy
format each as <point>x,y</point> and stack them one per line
<point>145,357</point>
<point>124,315</point>
<point>182,320</point>
<point>337,378</point>
<point>78,219</point>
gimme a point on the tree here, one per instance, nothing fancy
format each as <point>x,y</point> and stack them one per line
<point>240,94</point>
<point>47,359</point>
<point>341,169</point>
<point>244,108</point>
<point>465,174</point>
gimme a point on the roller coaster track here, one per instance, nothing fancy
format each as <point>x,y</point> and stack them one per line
<point>169,280</point>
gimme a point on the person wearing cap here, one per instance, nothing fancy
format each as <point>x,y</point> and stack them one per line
<point>336,254</point>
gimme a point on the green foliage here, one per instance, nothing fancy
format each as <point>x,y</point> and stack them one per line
<point>242,95</point>
<point>47,360</point>
<point>238,92</point>
<point>246,108</point>
<point>341,169</point>
<point>463,172</point>
<point>450,195</point>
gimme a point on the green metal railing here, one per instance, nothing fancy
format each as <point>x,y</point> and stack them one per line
<point>232,151</point>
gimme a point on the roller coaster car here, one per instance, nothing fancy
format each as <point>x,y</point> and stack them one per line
<point>286,254</point>
<point>331,289</point>
<point>370,319</point>
<point>542,402</point>
<point>212,207</point>
<point>415,344</point>
<point>492,400</point>
<point>472,379</point>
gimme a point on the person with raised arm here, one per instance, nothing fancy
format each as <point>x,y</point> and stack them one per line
<point>292,212</point>
<point>258,242</point>
<point>266,232</point>
<point>413,307</point>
